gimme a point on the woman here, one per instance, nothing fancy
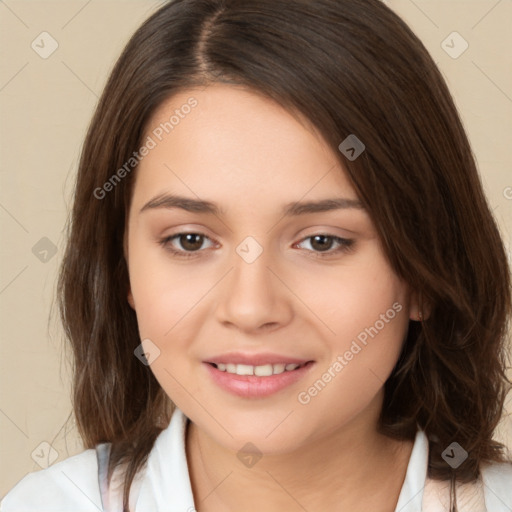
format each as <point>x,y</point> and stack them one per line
<point>280,239</point>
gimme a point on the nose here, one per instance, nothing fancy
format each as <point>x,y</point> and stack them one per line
<point>253,297</point>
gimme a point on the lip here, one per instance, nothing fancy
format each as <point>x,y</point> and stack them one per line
<point>254,359</point>
<point>251,386</point>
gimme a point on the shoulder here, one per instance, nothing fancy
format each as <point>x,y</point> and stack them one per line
<point>497,480</point>
<point>490,493</point>
<point>71,484</point>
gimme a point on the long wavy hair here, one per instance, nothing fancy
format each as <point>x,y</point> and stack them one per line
<point>350,67</point>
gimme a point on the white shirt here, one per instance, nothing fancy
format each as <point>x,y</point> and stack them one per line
<point>74,484</point>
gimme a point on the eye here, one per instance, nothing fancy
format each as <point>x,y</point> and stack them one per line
<point>322,243</point>
<point>191,243</point>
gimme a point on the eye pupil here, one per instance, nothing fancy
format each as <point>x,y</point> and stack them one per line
<point>189,241</point>
<point>323,246</point>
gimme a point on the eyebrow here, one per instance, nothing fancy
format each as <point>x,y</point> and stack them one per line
<point>168,201</point>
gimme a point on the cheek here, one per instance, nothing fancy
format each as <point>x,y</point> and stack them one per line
<point>348,299</point>
<point>168,298</point>
<point>163,292</point>
<point>366,312</point>
<point>370,321</point>
<point>359,365</point>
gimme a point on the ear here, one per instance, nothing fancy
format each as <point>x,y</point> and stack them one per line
<point>419,309</point>
<point>130,299</point>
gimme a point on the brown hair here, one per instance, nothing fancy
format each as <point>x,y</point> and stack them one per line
<point>349,67</point>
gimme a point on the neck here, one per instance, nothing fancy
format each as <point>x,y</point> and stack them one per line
<point>354,468</point>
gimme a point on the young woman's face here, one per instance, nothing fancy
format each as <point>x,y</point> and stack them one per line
<point>255,284</point>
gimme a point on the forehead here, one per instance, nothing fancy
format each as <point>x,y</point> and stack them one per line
<point>233,144</point>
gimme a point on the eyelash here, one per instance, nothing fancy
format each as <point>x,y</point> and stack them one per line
<point>346,245</point>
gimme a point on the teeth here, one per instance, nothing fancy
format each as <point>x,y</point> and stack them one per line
<point>263,371</point>
<point>278,368</point>
<point>260,371</point>
<point>244,369</point>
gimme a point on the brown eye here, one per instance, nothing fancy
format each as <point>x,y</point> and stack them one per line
<point>321,242</point>
<point>191,241</point>
<point>184,245</point>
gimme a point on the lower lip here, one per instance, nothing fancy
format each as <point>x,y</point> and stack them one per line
<point>250,386</point>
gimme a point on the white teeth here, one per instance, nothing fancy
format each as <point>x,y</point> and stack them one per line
<point>263,371</point>
<point>244,369</point>
<point>260,371</point>
<point>278,368</point>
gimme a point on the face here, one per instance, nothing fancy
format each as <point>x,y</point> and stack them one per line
<point>256,286</point>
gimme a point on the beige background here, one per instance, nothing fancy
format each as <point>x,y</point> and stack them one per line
<point>45,107</point>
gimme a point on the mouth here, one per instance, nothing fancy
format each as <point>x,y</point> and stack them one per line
<point>257,381</point>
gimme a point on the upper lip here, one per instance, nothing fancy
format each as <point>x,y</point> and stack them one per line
<point>255,359</point>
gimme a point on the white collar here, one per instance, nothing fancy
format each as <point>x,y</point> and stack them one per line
<point>411,495</point>
<point>166,483</point>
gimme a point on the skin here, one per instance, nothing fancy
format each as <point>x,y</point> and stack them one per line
<point>251,156</point>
